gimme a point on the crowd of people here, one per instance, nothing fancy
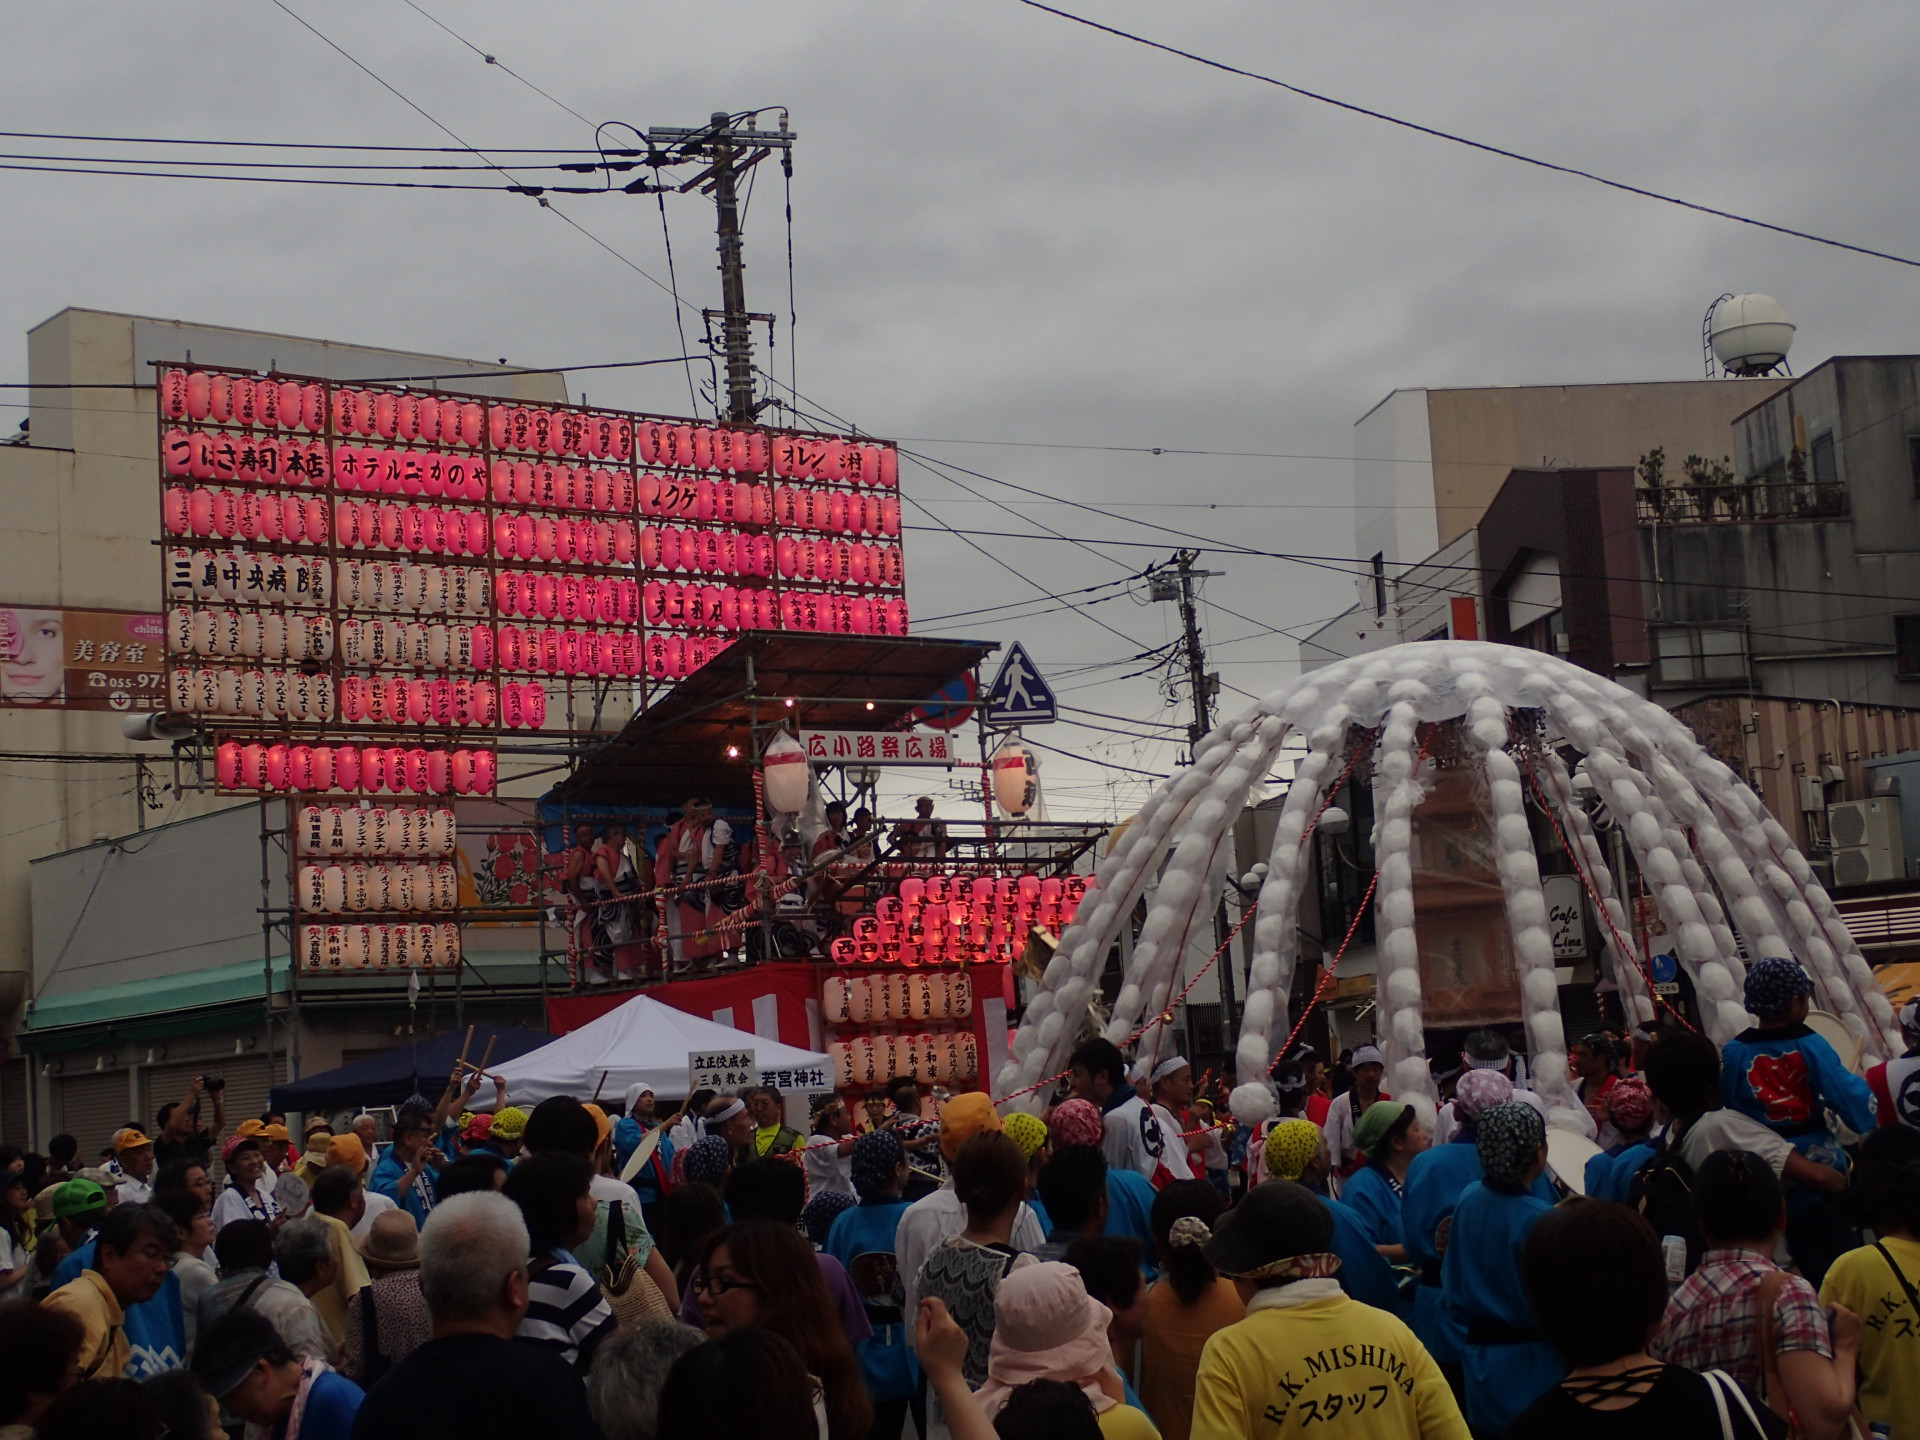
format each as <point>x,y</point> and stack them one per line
<point>1742,1263</point>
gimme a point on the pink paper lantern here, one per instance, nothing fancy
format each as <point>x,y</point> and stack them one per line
<point>346,767</point>
<point>460,772</point>
<point>483,702</point>
<point>199,394</point>
<point>751,452</point>
<point>484,767</point>
<point>227,759</point>
<point>676,657</point>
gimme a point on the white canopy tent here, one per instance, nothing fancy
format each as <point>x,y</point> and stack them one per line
<point>648,1042</point>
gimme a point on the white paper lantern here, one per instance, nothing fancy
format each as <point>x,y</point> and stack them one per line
<point>441,833</point>
<point>312,899</point>
<point>1016,777</point>
<point>359,889</point>
<point>833,1001</point>
<point>312,830</point>
<point>785,767</point>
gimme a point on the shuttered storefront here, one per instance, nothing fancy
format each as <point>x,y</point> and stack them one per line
<point>246,1092</point>
<point>90,1107</point>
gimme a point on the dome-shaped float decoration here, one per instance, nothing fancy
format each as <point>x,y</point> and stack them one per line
<point>1722,874</point>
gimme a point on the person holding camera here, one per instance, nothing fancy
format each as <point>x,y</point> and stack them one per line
<point>181,1136</point>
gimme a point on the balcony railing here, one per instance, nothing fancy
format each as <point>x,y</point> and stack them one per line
<point>1739,504</point>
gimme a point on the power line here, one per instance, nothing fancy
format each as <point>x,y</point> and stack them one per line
<point>451,134</point>
<point>1479,145</point>
<point>462,149</point>
<point>515,188</point>
<point>495,62</point>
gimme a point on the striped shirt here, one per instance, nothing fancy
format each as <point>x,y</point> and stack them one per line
<point>566,1311</point>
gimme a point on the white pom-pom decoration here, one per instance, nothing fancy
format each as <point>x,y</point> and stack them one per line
<point>1252,1104</point>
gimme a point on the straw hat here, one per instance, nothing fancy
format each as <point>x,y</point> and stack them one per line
<point>392,1242</point>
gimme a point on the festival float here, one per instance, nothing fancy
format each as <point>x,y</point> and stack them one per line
<point>1530,743</point>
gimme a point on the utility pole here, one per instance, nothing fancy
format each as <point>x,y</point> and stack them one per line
<point>1179,587</point>
<point>730,151</point>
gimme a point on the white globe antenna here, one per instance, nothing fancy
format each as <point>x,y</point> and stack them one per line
<point>1748,334</point>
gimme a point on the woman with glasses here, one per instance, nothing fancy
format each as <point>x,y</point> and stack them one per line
<point>762,1275</point>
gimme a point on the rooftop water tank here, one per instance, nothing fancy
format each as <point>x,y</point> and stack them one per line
<point>1751,334</point>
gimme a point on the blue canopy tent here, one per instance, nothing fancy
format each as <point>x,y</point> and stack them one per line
<point>415,1067</point>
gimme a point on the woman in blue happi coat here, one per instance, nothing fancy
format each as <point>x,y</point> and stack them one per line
<point>1388,1136</point>
<point>1506,1361</point>
<point>862,1241</point>
<point>1435,1181</point>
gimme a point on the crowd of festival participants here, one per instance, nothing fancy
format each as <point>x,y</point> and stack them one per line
<point>1132,1263</point>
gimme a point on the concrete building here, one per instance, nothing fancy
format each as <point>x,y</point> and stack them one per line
<point>1427,462</point>
<point>85,960</point>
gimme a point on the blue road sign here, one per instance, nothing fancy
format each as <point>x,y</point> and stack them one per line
<point>1018,696</point>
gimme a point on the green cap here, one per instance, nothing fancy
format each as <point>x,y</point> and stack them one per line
<point>1376,1123</point>
<point>76,1198</point>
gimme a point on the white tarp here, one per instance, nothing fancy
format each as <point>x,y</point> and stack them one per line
<point>646,1041</point>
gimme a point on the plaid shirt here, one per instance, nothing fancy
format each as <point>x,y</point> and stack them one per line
<point>1710,1322</point>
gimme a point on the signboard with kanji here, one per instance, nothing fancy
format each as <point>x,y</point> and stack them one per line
<point>880,747</point>
<point>82,659</point>
<point>721,1070</point>
<point>800,1077</point>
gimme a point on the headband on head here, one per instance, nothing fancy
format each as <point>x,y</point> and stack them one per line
<point>1167,1067</point>
<point>713,1123</point>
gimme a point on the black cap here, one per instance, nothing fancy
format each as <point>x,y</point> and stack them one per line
<point>1273,1221</point>
<point>229,1349</point>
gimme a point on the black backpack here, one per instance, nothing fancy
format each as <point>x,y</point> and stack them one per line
<point>1662,1191</point>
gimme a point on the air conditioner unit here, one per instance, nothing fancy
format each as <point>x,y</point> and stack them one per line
<point>1866,842</point>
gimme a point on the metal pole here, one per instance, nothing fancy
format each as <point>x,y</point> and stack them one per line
<point>1202,723</point>
<point>737,339</point>
<point>266,936</point>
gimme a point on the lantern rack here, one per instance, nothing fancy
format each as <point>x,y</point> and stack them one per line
<point>806,459</point>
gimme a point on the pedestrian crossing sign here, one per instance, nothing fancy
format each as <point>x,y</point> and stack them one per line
<point>1018,695</point>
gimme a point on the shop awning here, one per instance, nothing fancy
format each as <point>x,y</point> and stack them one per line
<point>677,746</point>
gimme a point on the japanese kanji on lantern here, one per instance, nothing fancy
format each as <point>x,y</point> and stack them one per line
<point>375,889</point>
<point>364,585</point>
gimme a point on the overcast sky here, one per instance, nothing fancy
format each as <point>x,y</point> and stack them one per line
<point>1008,228</point>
